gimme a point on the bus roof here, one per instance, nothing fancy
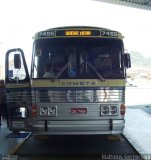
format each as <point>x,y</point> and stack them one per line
<point>78,31</point>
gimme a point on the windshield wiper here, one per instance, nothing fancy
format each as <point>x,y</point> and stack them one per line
<point>96,72</point>
<point>69,64</point>
<point>62,70</point>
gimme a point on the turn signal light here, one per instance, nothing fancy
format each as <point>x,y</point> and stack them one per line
<point>122,109</point>
<point>34,111</point>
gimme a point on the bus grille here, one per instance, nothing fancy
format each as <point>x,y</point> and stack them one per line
<point>18,95</point>
<point>81,96</point>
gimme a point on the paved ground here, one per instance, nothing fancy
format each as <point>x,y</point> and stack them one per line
<point>61,147</point>
<point>138,128</point>
<point>90,147</point>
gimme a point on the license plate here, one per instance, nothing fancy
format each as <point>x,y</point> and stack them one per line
<point>78,110</point>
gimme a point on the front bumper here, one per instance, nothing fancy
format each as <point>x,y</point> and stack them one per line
<point>78,127</point>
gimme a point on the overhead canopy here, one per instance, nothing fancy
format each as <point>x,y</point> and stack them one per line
<point>141,4</point>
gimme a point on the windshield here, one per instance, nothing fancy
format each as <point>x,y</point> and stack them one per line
<point>61,58</point>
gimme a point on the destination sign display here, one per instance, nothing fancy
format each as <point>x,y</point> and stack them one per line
<point>78,33</point>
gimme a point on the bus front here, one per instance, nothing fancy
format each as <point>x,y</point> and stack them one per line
<point>78,81</point>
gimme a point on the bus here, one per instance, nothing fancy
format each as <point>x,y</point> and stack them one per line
<point>85,92</point>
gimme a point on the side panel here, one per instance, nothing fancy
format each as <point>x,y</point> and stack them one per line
<point>18,97</point>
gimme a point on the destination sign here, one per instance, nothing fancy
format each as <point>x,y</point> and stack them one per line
<point>78,33</point>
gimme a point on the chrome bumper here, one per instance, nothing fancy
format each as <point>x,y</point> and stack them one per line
<point>78,127</point>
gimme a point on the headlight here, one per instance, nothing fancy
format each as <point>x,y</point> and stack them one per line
<point>52,111</point>
<point>109,110</point>
<point>48,111</point>
<point>104,110</point>
<point>43,111</point>
<point>113,110</point>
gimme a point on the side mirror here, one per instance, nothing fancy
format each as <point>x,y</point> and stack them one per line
<point>127,60</point>
<point>17,61</point>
